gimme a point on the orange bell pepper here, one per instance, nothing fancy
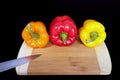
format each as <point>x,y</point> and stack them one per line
<point>35,34</point>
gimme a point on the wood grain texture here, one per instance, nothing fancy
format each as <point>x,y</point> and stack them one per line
<point>66,60</point>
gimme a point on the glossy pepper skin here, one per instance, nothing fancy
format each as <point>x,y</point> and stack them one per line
<point>63,31</point>
<point>92,33</point>
<point>35,34</point>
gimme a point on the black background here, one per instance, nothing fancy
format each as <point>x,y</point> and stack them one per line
<point>15,15</point>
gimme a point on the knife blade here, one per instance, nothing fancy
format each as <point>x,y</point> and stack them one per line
<point>16,62</point>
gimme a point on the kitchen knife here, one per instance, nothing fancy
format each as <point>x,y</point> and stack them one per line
<point>16,62</point>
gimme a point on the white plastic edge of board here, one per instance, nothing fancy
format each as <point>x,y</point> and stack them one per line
<point>24,51</point>
<point>104,59</point>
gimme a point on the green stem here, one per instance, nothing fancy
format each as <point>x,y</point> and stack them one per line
<point>33,34</point>
<point>93,36</point>
<point>64,37</point>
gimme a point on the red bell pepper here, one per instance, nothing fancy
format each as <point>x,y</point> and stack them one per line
<point>63,31</point>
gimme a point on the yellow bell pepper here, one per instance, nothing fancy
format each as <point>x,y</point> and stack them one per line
<point>92,33</point>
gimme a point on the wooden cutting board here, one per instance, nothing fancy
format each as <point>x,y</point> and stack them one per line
<point>76,59</point>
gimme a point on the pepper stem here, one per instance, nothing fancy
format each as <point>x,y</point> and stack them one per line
<point>33,34</point>
<point>64,36</point>
<point>93,35</point>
